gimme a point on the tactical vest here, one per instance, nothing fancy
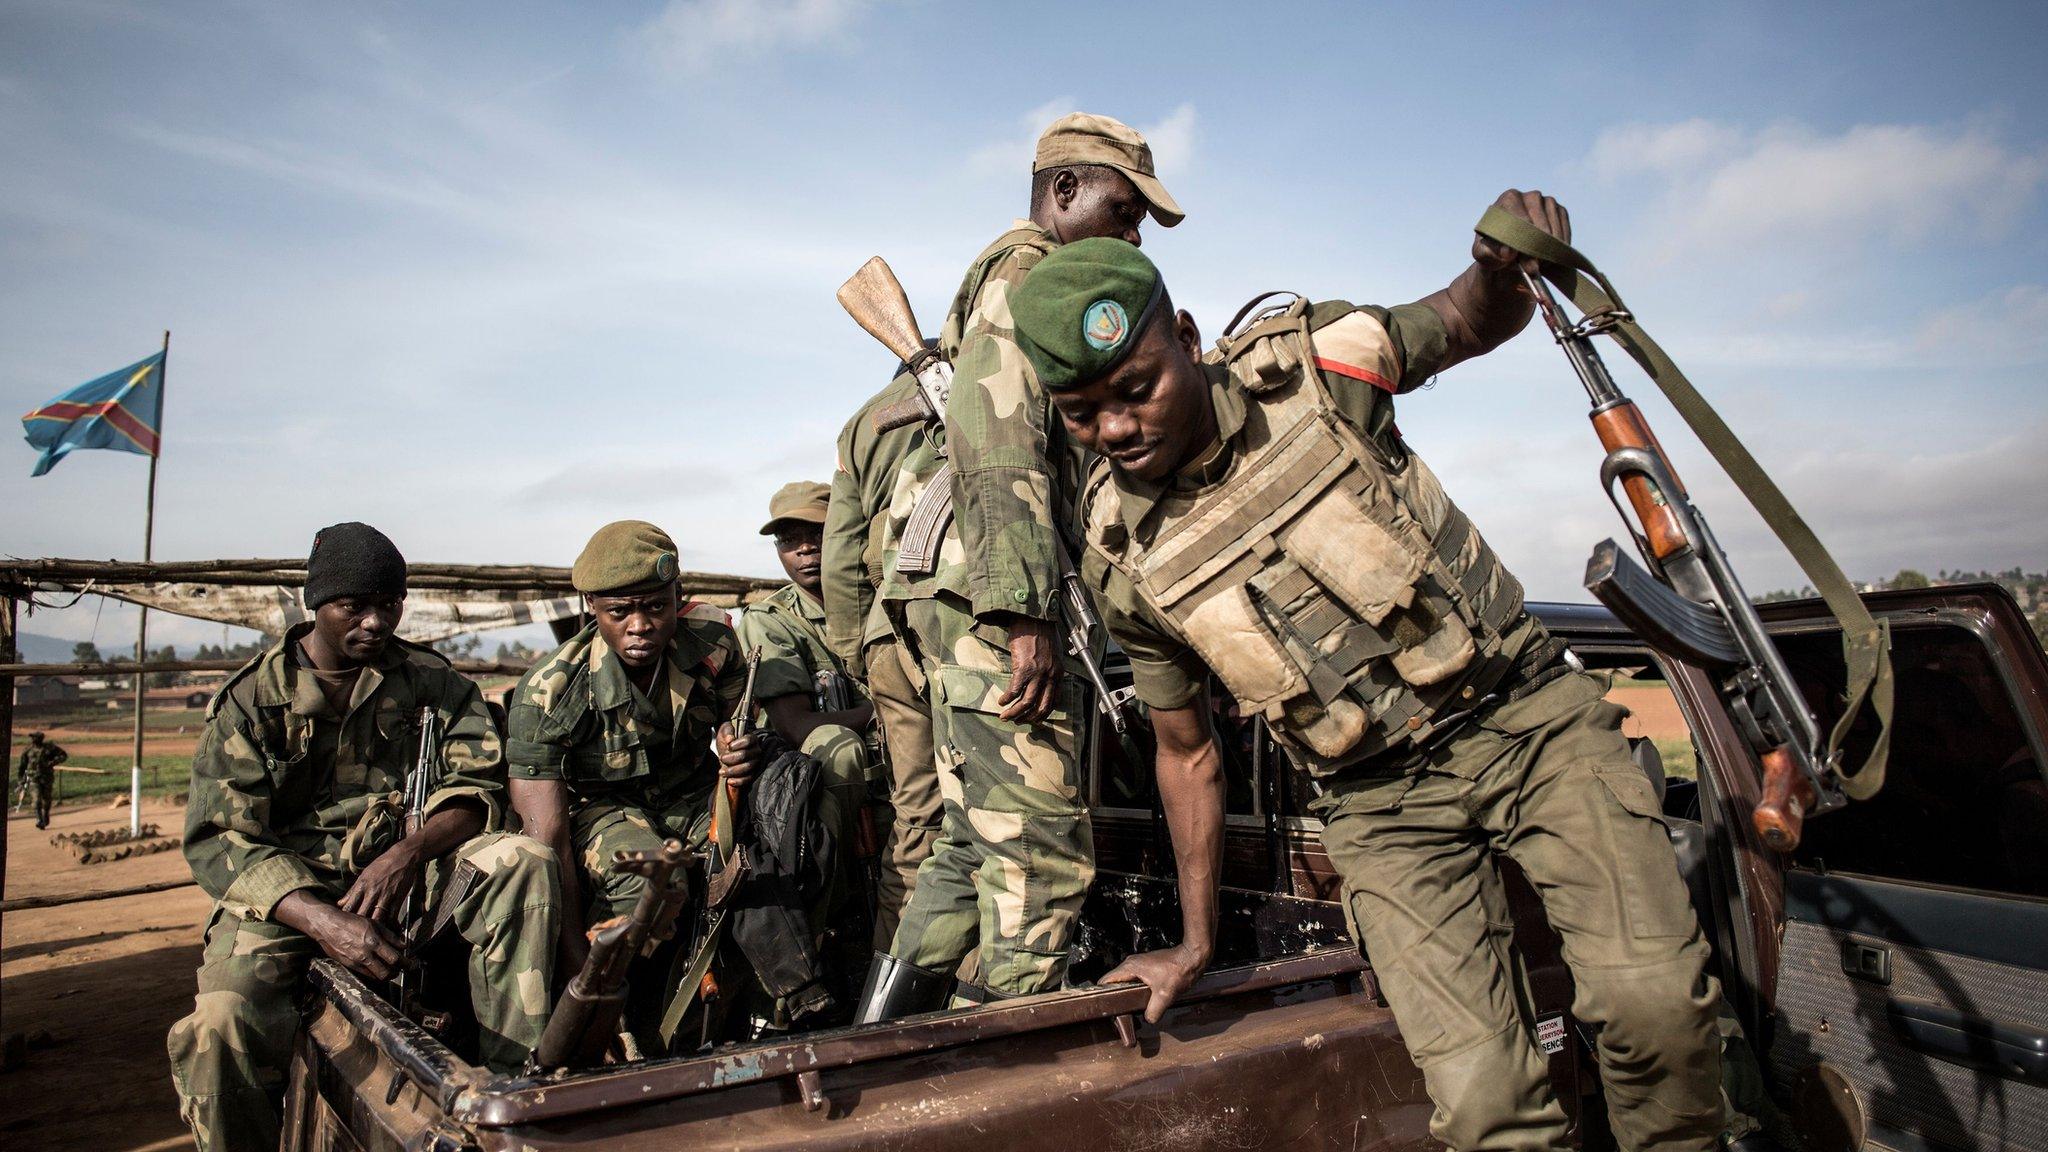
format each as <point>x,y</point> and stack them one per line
<point>1326,579</point>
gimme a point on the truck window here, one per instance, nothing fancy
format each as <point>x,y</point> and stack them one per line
<point>1964,802</point>
<point>1122,769</point>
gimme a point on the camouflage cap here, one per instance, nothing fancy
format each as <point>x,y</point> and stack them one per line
<point>1084,138</point>
<point>801,500</point>
<point>625,556</point>
<point>1083,308</point>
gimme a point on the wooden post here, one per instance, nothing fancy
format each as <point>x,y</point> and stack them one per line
<point>163,375</point>
<point>7,654</point>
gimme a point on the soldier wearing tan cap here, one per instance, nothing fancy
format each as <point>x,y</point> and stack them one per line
<point>609,741</point>
<point>799,674</point>
<point>976,604</point>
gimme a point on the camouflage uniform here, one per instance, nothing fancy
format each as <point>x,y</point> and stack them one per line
<point>39,767</point>
<point>287,795</point>
<point>1015,855</point>
<point>1543,775</point>
<point>789,629</point>
<point>861,636</point>
<point>638,769</point>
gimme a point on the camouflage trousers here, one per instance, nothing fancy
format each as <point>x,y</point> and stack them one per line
<point>42,788</point>
<point>229,1057</point>
<point>601,828</point>
<point>897,689</point>
<point>1548,781</point>
<point>1014,856</point>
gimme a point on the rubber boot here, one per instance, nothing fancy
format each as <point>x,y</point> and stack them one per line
<point>898,988</point>
<point>967,995</point>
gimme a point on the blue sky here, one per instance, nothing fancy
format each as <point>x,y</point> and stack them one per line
<point>488,275</point>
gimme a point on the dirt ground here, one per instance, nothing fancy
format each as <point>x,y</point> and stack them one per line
<point>106,978</point>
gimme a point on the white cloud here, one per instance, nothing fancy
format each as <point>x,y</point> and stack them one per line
<point>1172,139</point>
<point>695,34</point>
<point>2005,329</point>
<point>1790,185</point>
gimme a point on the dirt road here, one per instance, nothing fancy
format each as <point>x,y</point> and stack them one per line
<point>106,978</point>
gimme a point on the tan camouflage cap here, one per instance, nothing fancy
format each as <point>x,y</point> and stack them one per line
<point>625,556</point>
<point>803,500</point>
<point>1084,138</point>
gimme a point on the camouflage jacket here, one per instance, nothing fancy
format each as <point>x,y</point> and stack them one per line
<point>857,524</point>
<point>1014,471</point>
<point>286,795</point>
<point>576,717</point>
<point>39,761</point>
<point>789,629</point>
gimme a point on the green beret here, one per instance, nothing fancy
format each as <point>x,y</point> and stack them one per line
<point>804,501</point>
<point>1082,308</point>
<point>625,556</point>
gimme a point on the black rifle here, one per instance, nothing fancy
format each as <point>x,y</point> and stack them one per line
<point>419,785</point>
<point>586,1018</point>
<point>1689,604</point>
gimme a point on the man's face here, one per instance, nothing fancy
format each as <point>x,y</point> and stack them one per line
<point>359,627</point>
<point>1097,202</point>
<point>637,627</point>
<point>1152,414</point>
<point>801,548</point>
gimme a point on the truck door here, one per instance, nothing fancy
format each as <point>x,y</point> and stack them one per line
<point>1912,1004</point>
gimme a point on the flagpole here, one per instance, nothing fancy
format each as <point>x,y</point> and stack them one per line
<point>163,372</point>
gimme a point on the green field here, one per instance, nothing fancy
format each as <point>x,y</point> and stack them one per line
<point>161,776</point>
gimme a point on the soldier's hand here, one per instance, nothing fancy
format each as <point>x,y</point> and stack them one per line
<point>1034,670</point>
<point>1168,972</point>
<point>1537,209</point>
<point>739,757</point>
<point>359,943</point>
<point>380,889</point>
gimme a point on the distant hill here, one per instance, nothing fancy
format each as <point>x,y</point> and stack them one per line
<point>2029,588</point>
<point>44,649</point>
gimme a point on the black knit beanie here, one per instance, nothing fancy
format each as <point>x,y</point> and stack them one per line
<point>352,560</point>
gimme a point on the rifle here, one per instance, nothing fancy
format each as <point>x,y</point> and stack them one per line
<point>1689,603</point>
<point>876,301</point>
<point>419,785</point>
<point>586,1018</point>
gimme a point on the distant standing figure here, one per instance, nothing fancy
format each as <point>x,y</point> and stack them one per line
<point>39,767</point>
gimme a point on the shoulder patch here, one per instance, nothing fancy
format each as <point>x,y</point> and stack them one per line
<point>1357,346</point>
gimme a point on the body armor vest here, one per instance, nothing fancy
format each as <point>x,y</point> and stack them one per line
<point>1329,582</point>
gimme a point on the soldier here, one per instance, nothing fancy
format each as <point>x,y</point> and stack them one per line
<point>1256,515</point>
<point>39,771</point>
<point>977,605</point>
<point>789,629</point>
<point>860,635</point>
<point>294,829</point>
<point>609,739</point>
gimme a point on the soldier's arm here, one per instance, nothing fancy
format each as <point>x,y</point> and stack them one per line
<point>540,798</point>
<point>229,843</point>
<point>472,756</point>
<point>846,591</point>
<point>1487,304</point>
<point>58,755</point>
<point>999,439</point>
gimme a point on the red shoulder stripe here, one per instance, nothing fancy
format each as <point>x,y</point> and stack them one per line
<point>1356,373</point>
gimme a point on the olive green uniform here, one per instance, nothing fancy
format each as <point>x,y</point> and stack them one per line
<point>1495,747</point>
<point>638,766</point>
<point>861,635</point>
<point>39,767</point>
<point>789,629</point>
<point>1015,854</point>
<point>288,794</point>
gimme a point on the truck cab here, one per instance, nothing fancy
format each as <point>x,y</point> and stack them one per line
<point>1886,985</point>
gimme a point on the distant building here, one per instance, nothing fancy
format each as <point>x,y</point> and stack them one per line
<point>46,689</point>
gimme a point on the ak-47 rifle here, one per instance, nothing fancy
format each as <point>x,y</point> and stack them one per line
<point>876,301</point>
<point>1689,604</point>
<point>586,1018</point>
<point>419,786</point>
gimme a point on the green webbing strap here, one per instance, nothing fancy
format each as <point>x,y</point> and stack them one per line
<point>692,982</point>
<point>1866,644</point>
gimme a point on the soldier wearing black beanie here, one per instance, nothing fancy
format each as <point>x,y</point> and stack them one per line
<point>352,559</point>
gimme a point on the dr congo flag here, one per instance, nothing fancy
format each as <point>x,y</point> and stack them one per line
<point>120,410</point>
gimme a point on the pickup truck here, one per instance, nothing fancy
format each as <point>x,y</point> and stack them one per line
<point>1887,984</point>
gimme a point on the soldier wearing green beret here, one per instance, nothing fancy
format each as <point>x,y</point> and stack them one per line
<point>797,666</point>
<point>1333,588</point>
<point>609,740</point>
<point>977,604</point>
<point>295,829</point>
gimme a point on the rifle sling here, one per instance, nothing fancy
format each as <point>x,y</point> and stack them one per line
<point>1866,644</point>
<point>692,982</point>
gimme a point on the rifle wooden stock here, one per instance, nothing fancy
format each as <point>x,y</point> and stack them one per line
<point>1622,426</point>
<point>1780,816</point>
<point>877,302</point>
<point>903,413</point>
